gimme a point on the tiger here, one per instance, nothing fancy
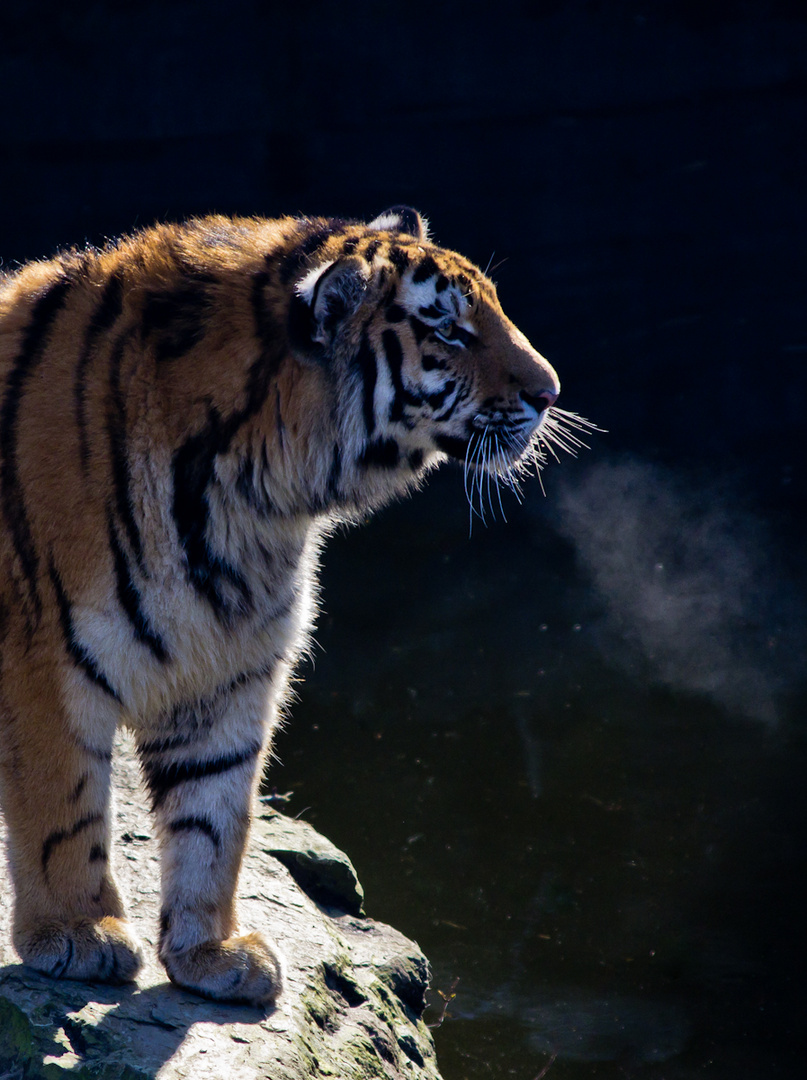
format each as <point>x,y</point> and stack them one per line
<point>185,414</point>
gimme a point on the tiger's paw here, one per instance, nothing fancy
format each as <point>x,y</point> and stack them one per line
<point>91,951</point>
<point>242,969</point>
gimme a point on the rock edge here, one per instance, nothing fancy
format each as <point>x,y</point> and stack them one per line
<point>355,988</point>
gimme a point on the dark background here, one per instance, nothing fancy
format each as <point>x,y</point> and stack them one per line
<point>640,166</point>
<point>640,171</point>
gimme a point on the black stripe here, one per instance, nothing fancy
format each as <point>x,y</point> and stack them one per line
<point>368,366</point>
<point>453,445</point>
<point>105,315</point>
<point>432,363</point>
<point>94,752</point>
<point>129,598</point>
<point>250,489</point>
<point>280,424</point>
<point>335,473</point>
<point>197,824</point>
<point>394,354</point>
<point>253,476</point>
<point>116,430</point>
<point>98,853</point>
<point>437,399</point>
<point>63,965</point>
<point>266,326</point>
<point>425,269</point>
<point>419,328</point>
<point>193,468</point>
<point>399,259</point>
<point>60,835</point>
<point>162,779</point>
<point>301,326</point>
<point>165,923</point>
<point>465,337</point>
<point>449,410</point>
<point>43,315</point>
<point>174,319</point>
<point>78,653</point>
<point>75,795</point>
<point>188,712</point>
<point>369,252</point>
<point>172,742</point>
<point>383,453</point>
<point>292,263</point>
<point>264,369</point>
<point>212,576</point>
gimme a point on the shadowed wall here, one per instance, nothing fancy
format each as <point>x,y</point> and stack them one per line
<point>639,166</point>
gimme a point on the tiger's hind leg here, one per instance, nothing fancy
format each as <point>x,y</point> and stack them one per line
<point>68,916</point>
<point>202,781</point>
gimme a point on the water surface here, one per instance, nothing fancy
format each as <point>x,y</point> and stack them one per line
<point>599,858</point>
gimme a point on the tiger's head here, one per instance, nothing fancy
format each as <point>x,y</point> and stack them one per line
<point>426,362</point>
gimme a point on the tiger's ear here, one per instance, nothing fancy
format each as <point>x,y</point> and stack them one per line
<point>325,297</point>
<point>402,219</point>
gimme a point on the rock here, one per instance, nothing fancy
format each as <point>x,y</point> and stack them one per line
<point>352,1006</point>
<point>321,870</point>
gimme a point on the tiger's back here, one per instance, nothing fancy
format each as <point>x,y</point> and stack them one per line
<point>184,415</point>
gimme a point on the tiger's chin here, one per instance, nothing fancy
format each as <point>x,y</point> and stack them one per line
<point>456,446</point>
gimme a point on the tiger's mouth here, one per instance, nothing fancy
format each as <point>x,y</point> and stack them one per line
<point>509,444</point>
<point>496,455</point>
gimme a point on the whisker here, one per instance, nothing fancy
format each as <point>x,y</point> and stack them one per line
<point>470,479</point>
<point>480,477</point>
<point>546,444</point>
<point>500,465</point>
<point>487,469</point>
<point>503,455</point>
<point>467,467</point>
<point>565,422</point>
<point>472,459</point>
<point>491,269</point>
<point>573,419</point>
<point>554,438</point>
<point>512,471</point>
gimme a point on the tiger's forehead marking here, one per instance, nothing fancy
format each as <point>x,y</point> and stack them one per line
<point>433,298</point>
<point>434,285</point>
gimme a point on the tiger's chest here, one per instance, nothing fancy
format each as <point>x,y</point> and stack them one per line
<point>244,614</point>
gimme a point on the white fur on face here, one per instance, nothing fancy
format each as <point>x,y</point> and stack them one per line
<point>450,302</point>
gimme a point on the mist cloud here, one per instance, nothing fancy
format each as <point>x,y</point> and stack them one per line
<point>691,592</point>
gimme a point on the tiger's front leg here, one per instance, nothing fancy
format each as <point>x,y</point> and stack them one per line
<point>202,779</point>
<point>55,781</point>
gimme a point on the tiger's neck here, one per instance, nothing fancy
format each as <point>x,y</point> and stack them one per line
<point>307,454</point>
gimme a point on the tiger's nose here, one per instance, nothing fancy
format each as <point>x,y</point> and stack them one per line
<point>540,401</point>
